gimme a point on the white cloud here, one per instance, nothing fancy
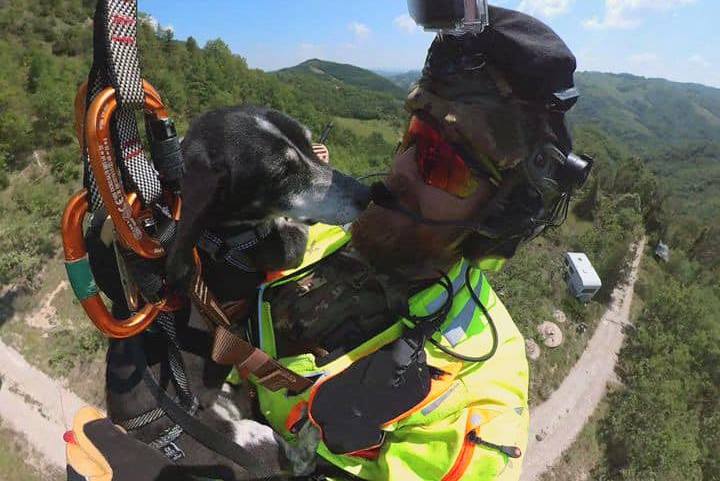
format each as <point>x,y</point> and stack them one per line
<point>360,30</point>
<point>405,23</point>
<point>546,8</point>
<point>629,14</point>
<point>698,59</point>
<point>155,24</point>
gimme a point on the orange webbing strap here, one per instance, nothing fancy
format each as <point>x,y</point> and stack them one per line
<point>231,349</point>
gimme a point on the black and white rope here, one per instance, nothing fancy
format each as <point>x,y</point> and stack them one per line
<point>144,419</point>
<point>116,64</point>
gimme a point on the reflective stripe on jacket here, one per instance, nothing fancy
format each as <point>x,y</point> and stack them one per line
<point>438,439</point>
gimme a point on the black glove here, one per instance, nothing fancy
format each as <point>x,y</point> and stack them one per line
<point>97,450</point>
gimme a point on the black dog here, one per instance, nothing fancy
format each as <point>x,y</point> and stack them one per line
<point>248,165</point>
<point>225,409</point>
<point>244,166</point>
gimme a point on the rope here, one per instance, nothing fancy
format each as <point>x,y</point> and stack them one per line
<point>116,64</point>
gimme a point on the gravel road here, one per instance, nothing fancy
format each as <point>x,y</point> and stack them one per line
<point>555,424</point>
<point>35,405</point>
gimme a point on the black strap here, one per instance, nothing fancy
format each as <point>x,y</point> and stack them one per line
<point>231,247</point>
<point>208,437</point>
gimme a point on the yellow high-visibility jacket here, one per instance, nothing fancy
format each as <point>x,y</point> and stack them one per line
<point>475,421</point>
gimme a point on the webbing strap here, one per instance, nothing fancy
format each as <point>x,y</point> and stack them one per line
<point>115,63</point>
<point>231,349</point>
<point>120,22</point>
<point>211,439</point>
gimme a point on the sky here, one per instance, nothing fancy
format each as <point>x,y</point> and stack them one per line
<point>674,39</point>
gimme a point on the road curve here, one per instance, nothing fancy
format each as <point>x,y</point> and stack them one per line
<point>35,405</point>
<point>556,423</point>
<point>39,407</point>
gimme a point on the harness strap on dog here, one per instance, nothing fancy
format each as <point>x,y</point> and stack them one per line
<point>186,400</point>
<point>231,249</point>
<point>206,436</point>
<point>231,349</point>
<point>115,63</point>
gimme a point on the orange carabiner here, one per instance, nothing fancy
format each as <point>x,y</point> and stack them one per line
<point>83,283</point>
<point>107,177</point>
<point>80,99</point>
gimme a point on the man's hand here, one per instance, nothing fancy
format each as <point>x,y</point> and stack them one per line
<point>322,152</point>
<point>97,450</point>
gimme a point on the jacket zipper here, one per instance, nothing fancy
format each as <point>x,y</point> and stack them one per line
<point>472,440</point>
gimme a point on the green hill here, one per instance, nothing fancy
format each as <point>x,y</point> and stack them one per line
<point>404,80</point>
<point>347,75</point>
<point>343,90</point>
<point>647,113</point>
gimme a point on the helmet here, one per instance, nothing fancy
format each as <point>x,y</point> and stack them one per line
<point>501,96</point>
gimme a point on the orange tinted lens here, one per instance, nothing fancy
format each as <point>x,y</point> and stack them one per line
<point>440,164</point>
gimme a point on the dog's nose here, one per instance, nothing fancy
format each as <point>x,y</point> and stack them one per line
<point>338,201</point>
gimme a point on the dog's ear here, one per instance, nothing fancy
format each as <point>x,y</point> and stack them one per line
<point>297,133</point>
<point>202,186</point>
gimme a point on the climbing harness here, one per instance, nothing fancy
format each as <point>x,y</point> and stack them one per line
<point>140,196</point>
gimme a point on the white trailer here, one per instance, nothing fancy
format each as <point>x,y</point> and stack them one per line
<point>583,281</point>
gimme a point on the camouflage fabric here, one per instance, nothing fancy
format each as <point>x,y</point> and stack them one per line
<point>496,129</point>
<point>337,307</point>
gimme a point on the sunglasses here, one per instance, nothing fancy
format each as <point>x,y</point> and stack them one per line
<point>440,163</point>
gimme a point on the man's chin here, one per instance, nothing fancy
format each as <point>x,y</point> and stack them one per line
<point>391,241</point>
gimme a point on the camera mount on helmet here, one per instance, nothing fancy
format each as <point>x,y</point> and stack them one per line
<point>450,17</point>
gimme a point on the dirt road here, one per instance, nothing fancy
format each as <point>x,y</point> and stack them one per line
<point>35,405</point>
<point>41,408</point>
<point>556,423</point>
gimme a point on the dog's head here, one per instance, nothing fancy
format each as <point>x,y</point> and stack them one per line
<point>253,164</point>
<point>304,187</point>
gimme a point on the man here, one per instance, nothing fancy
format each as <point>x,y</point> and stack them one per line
<point>419,372</point>
<point>469,185</point>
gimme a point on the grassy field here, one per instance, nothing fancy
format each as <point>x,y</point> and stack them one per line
<point>365,128</point>
<point>18,462</point>
<point>50,329</point>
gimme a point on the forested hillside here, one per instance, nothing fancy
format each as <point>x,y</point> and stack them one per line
<point>344,74</point>
<point>657,146</point>
<point>405,80</point>
<point>344,90</point>
<point>647,113</point>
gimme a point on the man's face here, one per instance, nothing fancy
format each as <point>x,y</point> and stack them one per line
<point>392,240</point>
